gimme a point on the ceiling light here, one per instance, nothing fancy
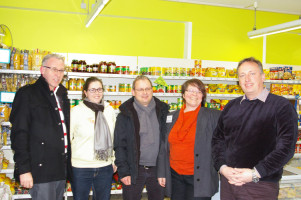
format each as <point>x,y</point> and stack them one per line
<point>280,28</point>
<point>95,11</point>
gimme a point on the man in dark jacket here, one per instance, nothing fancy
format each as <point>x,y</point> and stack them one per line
<point>139,128</point>
<point>40,132</point>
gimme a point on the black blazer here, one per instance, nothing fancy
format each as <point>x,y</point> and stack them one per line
<point>37,135</point>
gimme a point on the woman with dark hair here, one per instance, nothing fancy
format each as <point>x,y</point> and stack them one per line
<point>92,128</point>
<point>185,154</point>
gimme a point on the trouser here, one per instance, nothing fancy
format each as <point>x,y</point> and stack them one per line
<point>146,177</point>
<point>48,191</point>
<point>183,187</point>
<point>100,179</point>
<point>261,190</point>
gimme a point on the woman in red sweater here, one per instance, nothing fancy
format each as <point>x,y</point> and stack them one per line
<point>185,160</point>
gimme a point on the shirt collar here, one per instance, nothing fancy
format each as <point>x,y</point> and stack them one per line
<point>262,96</point>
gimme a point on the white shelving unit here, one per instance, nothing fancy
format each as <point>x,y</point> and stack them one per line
<point>135,63</point>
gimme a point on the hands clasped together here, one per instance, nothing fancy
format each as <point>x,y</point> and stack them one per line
<point>237,176</point>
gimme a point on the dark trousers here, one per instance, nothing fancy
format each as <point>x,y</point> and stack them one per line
<point>249,191</point>
<point>48,191</point>
<point>183,187</point>
<point>148,178</point>
<point>100,179</point>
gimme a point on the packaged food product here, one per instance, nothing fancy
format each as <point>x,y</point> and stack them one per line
<point>221,72</point>
<point>231,73</point>
<point>4,113</point>
<point>221,88</point>
<point>280,73</point>
<point>288,73</point>
<point>212,88</point>
<point>266,73</point>
<point>283,89</point>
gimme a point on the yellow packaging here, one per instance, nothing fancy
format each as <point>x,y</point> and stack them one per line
<point>212,88</point>
<point>290,89</point>
<point>221,88</point>
<point>231,73</point>
<point>203,72</point>
<point>266,73</point>
<point>298,75</point>
<point>275,89</point>
<point>237,90</point>
<point>4,113</point>
<point>283,89</point>
<point>221,72</point>
<point>230,89</point>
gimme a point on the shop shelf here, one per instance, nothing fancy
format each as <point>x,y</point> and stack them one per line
<point>6,147</point>
<point>5,123</point>
<point>21,196</point>
<point>297,155</point>
<point>10,71</point>
<point>9,170</point>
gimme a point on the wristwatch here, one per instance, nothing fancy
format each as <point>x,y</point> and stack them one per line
<point>255,178</point>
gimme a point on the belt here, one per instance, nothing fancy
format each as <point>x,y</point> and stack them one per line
<point>146,167</point>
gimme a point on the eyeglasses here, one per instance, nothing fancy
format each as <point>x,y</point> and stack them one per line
<point>93,90</point>
<point>145,89</point>
<point>194,92</point>
<point>55,70</point>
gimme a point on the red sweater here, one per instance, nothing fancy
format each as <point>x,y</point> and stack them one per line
<point>182,139</point>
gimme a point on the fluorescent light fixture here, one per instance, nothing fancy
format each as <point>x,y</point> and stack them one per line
<point>280,28</point>
<point>95,11</point>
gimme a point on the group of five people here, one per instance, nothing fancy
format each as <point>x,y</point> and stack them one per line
<point>176,154</point>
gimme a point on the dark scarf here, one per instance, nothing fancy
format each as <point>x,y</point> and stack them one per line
<point>103,147</point>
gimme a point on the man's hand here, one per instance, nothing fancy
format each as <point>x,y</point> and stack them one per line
<point>162,181</point>
<point>232,174</point>
<point>26,180</point>
<point>244,175</point>
<point>126,180</point>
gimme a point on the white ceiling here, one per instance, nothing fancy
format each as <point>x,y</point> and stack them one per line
<point>280,6</point>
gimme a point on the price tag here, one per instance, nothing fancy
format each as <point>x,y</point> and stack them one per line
<point>7,97</point>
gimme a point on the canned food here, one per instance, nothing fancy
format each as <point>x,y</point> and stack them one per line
<point>72,103</point>
<point>121,87</point>
<point>128,88</point>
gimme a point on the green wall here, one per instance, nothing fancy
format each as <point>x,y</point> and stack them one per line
<point>218,33</point>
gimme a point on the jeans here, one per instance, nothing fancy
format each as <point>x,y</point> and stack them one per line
<point>183,187</point>
<point>147,177</point>
<point>100,179</point>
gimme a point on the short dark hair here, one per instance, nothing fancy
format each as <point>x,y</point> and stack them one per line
<point>87,84</point>
<point>141,77</point>
<point>197,83</point>
<point>253,60</point>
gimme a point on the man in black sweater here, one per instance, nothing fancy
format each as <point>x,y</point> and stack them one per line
<point>255,137</point>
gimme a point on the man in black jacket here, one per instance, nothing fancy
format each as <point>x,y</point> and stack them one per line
<point>40,131</point>
<point>139,128</point>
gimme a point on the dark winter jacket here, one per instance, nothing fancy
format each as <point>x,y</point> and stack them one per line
<point>127,139</point>
<point>37,134</point>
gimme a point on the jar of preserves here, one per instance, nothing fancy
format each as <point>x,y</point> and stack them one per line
<point>80,66</point>
<point>74,65</point>
<point>72,84</point>
<point>121,87</point>
<point>89,68</point>
<point>103,67</point>
<point>109,68</point>
<point>79,84</point>
<point>95,68</point>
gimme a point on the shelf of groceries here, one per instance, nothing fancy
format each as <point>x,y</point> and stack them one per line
<point>107,75</point>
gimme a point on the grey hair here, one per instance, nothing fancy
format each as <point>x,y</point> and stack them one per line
<point>53,55</point>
